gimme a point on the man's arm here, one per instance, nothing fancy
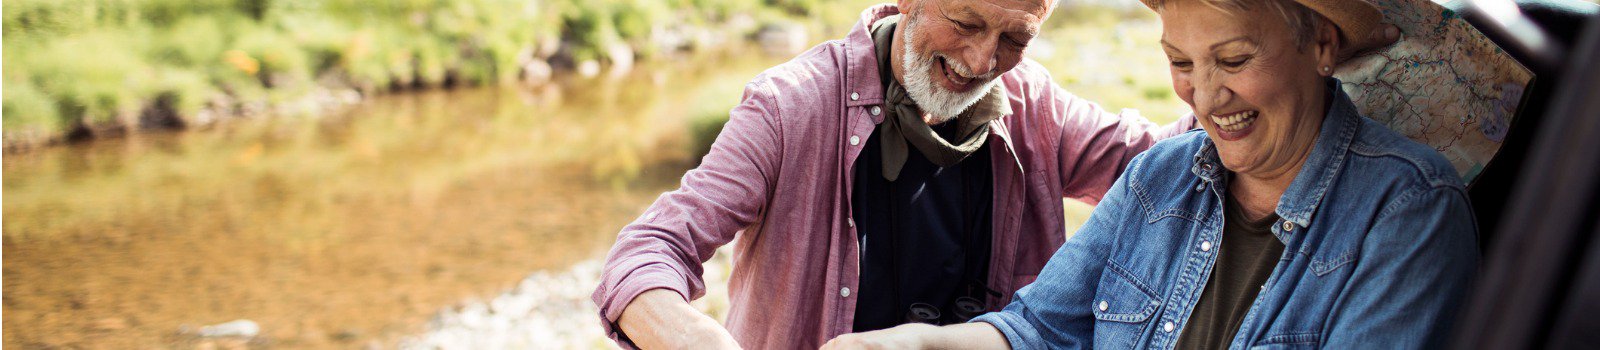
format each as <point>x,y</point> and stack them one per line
<point>655,266</point>
<point>1096,145</point>
<point>1415,269</point>
<point>660,319</point>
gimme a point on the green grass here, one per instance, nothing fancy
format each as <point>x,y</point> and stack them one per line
<point>93,62</point>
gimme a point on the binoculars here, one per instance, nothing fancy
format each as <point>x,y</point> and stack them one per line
<point>965,308</point>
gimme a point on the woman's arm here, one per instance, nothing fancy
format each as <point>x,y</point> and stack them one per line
<point>1415,269</point>
<point>1052,312</point>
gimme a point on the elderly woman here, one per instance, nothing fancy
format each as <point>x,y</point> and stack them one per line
<point>1290,221</point>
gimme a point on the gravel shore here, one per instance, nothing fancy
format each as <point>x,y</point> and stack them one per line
<point>548,310</point>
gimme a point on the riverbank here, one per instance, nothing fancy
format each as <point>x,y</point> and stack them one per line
<point>357,227</point>
<point>86,69</point>
<point>551,310</point>
<point>344,230</point>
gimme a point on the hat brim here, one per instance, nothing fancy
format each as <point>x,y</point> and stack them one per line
<point>1356,19</point>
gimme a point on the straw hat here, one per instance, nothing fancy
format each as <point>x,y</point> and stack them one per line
<point>1356,19</point>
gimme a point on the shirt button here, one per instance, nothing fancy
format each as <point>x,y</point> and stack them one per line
<point>855,96</point>
<point>1288,226</point>
<point>1104,305</point>
<point>844,292</point>
<point>1205,246</point>
<point>1168,327</point>
<point>855,140</point>
<point>1200,188</point>
<point>875,110</point>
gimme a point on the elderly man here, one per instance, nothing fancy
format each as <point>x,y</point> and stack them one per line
<point>913,170</point>
<point>919,160</point>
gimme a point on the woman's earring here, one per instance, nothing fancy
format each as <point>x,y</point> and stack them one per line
<point>1327,69</point>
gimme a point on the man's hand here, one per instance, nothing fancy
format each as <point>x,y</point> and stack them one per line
<point>906,336</point>
<point>1382,37</point>
<point>661,319</point>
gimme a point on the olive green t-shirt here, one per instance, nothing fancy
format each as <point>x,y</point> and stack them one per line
<point>1246,258</point>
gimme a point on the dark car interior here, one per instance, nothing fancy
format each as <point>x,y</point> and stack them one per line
<point>1538,201</point>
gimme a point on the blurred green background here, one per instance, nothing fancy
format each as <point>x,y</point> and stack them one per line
<point>343,173</point>
<point>85,67</point>
<point>101,64</point>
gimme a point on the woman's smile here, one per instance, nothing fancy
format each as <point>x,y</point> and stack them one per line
<point>1236,125</point>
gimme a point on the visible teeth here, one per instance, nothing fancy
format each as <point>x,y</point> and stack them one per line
<point>1236,121</point>
<point>954,76</point>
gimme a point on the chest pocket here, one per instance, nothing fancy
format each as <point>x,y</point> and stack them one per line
<point>1122,309</point>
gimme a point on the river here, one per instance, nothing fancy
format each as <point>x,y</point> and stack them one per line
<point>344,230</point>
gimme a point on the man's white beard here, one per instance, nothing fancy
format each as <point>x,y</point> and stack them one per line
<point>942,104</point>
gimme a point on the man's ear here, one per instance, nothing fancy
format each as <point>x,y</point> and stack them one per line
<point>1326,44</point>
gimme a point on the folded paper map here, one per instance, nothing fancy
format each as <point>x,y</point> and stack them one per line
<point>1443,84</point>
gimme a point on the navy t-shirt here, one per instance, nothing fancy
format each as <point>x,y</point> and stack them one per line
<point>925,237</point>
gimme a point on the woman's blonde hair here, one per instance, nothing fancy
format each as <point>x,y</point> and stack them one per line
<point>1302,20</point>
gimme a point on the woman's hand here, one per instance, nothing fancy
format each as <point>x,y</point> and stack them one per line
<point>975,335</point>
<point>906,336</point>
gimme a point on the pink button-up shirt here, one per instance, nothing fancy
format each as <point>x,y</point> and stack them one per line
<point>780,174</point>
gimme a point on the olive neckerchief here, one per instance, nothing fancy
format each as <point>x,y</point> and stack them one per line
<point>904,123</point>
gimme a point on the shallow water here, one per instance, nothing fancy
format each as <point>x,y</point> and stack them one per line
<point>343,230</point>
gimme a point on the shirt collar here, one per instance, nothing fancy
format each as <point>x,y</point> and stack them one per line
<point>1322,166</point>
<point>862,85</point>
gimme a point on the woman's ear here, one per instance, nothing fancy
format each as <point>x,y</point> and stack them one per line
<point>1326,44</point>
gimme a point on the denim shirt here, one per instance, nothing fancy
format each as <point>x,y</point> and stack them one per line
<point>1380,250</point>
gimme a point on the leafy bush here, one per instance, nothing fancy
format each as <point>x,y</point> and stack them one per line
<point>103,61</point>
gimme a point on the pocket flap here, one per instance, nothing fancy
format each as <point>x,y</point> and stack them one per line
<point>1119,298</point>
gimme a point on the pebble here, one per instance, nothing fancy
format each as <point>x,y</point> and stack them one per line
<point>547,310</point>
<point>235,328</point>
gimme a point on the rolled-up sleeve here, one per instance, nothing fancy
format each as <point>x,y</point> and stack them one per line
<point>665,247</point>
<point>1014,323</point>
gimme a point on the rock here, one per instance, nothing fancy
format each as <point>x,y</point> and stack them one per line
<point>348,334</point>
<point>671,39</point>
<point>589,68</point>
<point>621,56</point>
<point>742,23</point>
<point>706,40</point>
<point>536,72</point>
<point>527,53</point>
<point>235,328</point>
<point>348,96</point>
<point>547,45</point>
<point>782,39</point>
